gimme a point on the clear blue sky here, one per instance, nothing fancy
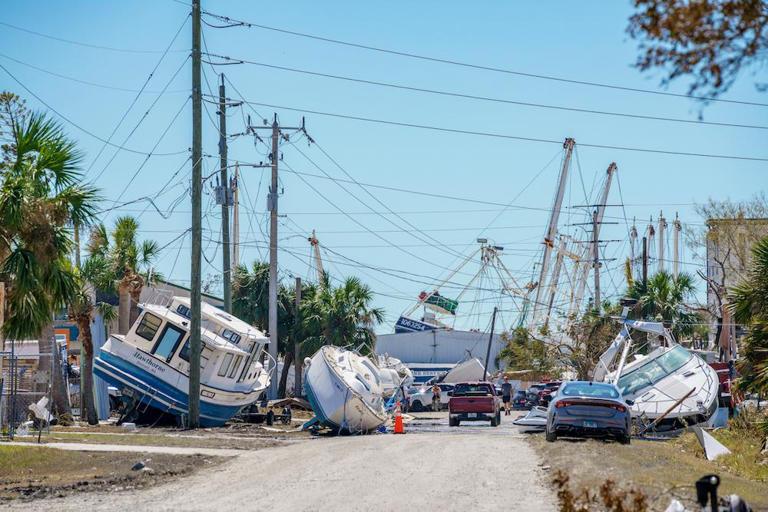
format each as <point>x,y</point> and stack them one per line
<point>588,43</point>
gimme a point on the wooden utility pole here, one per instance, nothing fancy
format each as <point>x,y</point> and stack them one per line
<point>297,361</point>
<point>235,220</point>
<point>662,239</point>
<point>226,266</point>
<point>273,216</point>
<point>490,340</point>
<point>645,261</point>
<point>596,258</point>
<point>76,230</point>
<point>677,227</point>
<point>195,342</point>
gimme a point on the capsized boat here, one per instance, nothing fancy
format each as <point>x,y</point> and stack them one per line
<point>395,375</point>
<point>669,381</point>
<point>345,391</point>
<point>150,364</point>
<point>535,419</point>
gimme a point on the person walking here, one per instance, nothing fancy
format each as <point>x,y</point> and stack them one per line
<point>506,396</point>
<point>435,398</point>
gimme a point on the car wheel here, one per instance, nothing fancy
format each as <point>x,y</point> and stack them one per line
<point>494,422</point>
<point>626,439</point>
<point>551,436</point>
<point>451,422</point>
<point>416,406</point>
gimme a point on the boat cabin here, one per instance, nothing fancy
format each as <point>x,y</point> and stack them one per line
<point>231,348</point>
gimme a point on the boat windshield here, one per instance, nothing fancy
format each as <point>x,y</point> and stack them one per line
<point>653,371</point>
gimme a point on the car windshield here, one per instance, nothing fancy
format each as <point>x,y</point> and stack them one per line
<point>591,390</point>
<point>472,390</point>
<point>653,371</point>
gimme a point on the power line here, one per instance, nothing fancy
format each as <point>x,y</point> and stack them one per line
<point>87,132</point>
<point>87,45</point>
<point>85,82</point>
<point>505,136</point>
<point>491,99</point>
<point>478,66</point>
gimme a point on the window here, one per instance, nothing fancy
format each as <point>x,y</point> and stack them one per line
<point>594,390</point>
<point>231,336</point>
<point>205,355</point>
<point>225,365</point>
<point>472,390</point>
<point>184,311</point>
<point>653,371</point>
<point>148,326</point>
<point>235,366</point>
<point>167,342</point>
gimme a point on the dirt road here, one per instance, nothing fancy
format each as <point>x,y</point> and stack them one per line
<point>430,468</point>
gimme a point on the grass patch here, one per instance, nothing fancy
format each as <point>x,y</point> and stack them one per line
<point>31,471</point>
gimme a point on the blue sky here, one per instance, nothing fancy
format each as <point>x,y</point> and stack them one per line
<point>553,38</point>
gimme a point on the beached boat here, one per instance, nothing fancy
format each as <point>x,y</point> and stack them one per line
<point>668,380</point>
<point>150,364</point>
<point>345,391</point>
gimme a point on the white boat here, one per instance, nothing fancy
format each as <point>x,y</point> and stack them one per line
<point>669,381</point>
<point>394,375</point>
<point>150,364</point>
<point>345,390</point>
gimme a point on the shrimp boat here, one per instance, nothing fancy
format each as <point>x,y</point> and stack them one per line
<point>150,364</point>
<point>670,384</point>
<point>345,391</point>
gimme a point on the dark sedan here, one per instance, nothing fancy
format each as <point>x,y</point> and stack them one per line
<point>588,409</point>
<point>519,401</point>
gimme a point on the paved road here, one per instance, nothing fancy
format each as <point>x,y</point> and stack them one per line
<point>432,467</point>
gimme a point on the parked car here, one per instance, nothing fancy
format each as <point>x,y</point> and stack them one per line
<point>471,401</point>
<point>545,395</point>
<point>532,394</point>
<point>519,400</point>
<point>420,399</point>
<point>589,409</point>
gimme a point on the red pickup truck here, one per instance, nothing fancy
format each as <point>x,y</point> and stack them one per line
<point>472,401</point>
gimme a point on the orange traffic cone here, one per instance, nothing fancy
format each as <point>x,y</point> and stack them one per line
<point>399,429</point>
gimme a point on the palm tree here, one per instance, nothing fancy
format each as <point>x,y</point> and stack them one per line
<point>131,264</point>
<point>663,299</point>
<point>749,304</point>
<point>342,316</point>
<point>40,195</point>
<point>94,273</point>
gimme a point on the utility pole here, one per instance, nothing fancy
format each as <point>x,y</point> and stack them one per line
<point>676,228</point>
<point>596,259</point>
<point>235,219</point>
<point>297,361</point>
<point>273,216</point>
<point>195,342</point>
<point>662,239</point>
<point>549,237</point>
<point>490,340</point>
<point>645,262</point>
<point>226,266</point>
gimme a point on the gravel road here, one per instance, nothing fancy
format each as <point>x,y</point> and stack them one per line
<point>432,467</point>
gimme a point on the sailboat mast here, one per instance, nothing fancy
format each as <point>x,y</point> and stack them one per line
<point>549,237</point>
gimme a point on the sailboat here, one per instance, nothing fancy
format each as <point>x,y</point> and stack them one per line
<point>345,390</point>
<point>150,364</point>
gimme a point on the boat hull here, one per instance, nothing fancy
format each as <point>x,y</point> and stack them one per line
<point>336,405</point>
<point>154,384</point>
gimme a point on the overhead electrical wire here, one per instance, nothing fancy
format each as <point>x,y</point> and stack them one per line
<point>491,99</point>
<point>504,135</point>
<point>84,130</point>
<point>469,65</point>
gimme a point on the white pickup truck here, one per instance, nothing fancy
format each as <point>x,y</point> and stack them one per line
<point>421,399</point>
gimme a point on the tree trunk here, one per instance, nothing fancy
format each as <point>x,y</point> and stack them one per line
<point>124,310</point>
<point>134,308</point>
<point>88,405</point>
<point>287,360</point>
<point>60,394</point>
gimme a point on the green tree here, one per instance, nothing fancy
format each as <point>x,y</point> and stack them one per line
<point>664,298</point>
<point>710,41</point>
<point>94,274</point>
<point>40,196</point>
<point>130,261</point>
<point>524,352</point>
<point>749,304</point>
<point>590,335</point>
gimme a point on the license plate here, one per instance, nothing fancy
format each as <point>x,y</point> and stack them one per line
<point>472,415</point>
<point>590,424</point>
